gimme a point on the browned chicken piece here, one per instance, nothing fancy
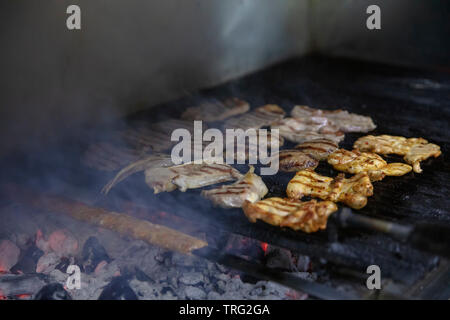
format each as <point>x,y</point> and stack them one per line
<point>216,110</point>
<point>375,166</point>
<point>318,149</point>
<point>345,121</point>
<point>106,156</point>
<point>260,117</point>
<point>308,129</point>
<point>309,216</point>
<point>189,176</point>
<point>353,191</point>
<point>292,160</point>
<point>250,188</point>
<point>414,150</point>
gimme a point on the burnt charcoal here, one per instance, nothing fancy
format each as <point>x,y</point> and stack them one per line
<point>93,254</point>
<point>142,276</point>
<point>53,291</point>
<point>279,259</point>
<point>118,289</point>
<point>65,262</point>
<point>28,260</point>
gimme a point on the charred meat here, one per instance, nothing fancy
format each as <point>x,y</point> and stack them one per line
<point>250,188</point>
<point>353,191</point>
<point>414,150</point>
<point>308,216</point>
<point>345,121</point>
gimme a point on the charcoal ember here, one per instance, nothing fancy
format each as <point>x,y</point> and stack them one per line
<point>194,293</point>
<point>63,243</point>
<point>279,258</point>
<point>28,260</point>
<point>9,255</point>
<point>47,263</point>
<point>93,254</point>
<point>191,278</point>
<point>142,276</point>
<point>21,284</point>
<point>118,289</point>
<point>52,291</point>
<point>303,263</point>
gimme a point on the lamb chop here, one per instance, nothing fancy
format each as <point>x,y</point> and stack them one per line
<point>216,110</point>
<point>250,188</point>
<point>343,120</point>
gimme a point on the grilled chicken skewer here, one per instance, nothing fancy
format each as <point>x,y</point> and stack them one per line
<point>353,191</point>
<point>250,188</point>
<point>356,162</point>
<point>309,216</point>
<point>414,150</point>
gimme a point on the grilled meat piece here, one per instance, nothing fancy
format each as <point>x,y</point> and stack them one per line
<point>109,157</point>
<point>189,176</point>
<point>414,150</point>
<point>155,137</point>
<point>260,117</point>
<point>292,160</point>
<point>356,162</point>
<point>308,216</point>
<point>251,146</point>
<point>318,149</point>
<point>152,161</point>
<point>250,188</point>
<point>345,121</point>
<point>308,129</point>
<point>353,191</point>
<point>216,110</point>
